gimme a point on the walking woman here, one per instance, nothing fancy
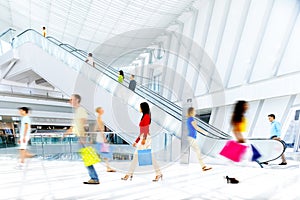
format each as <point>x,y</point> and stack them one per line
<point>143,141</point>
<point>192,135</point>
<point>239,126</point>
<point>101,139</point>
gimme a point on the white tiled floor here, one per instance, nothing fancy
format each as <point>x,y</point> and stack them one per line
<point>63,180</point>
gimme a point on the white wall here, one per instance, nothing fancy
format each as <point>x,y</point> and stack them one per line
<point>254,45</point>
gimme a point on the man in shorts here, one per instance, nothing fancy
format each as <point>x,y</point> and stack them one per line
<point>25,130</point>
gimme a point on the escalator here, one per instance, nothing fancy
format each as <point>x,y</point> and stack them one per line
<point>63,66</point>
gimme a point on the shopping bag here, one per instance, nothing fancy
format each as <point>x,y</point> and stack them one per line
<point>255,153</point>
<point>89,156</point>
<point>145,157</point>
<point>233,150</point>
<point>104,148</point>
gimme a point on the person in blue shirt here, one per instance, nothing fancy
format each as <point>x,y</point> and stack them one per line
<point>192,136</point>
<point>275,134</point>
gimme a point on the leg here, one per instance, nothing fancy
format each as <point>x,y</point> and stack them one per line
<point>196,149</point>
<point>22,155</point>
<point>133,163</point>
<point>282,156</point>
<point>155,166</point>
<point>108,168</point>
<point>92,172</point>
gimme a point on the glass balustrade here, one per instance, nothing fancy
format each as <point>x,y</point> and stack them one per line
<point>52,145</point>
<point>75,59</point>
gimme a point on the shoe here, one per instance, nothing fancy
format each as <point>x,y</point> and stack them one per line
<point>125,178</point>
<point>157,177</point>
<point>231,180</point>
<point>20,166</point>
<point>206,168</point>
<point>91,181</point>
<point>283,163</point>
<point>110,170</point>
<point>264,163</point>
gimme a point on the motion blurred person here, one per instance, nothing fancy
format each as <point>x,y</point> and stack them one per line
<point>275,135</point>
<point>44,32</point>
<point>132,83</point>
<point>121,90</point>
<point>239,126</point>
<point>80,118</point>
<point>90,60</point>
<point>121,77</point>
<point>101,139</point>
<point>25,131</point>
<point>192,135</point>
<point>143,142</point>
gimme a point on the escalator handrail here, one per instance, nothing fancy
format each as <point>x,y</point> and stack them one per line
<point>10,29</point>
<point>149,97</point>
<point>179,109</point>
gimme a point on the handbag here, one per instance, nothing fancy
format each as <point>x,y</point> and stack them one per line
<point>145,157</point>
<point>89,156</point>
<point>233,150</point>
<point>104,148</point>
<point>255,153</point>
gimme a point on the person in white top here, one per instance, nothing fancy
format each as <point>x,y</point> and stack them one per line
<point>25,130</point>
<point>90,60</point>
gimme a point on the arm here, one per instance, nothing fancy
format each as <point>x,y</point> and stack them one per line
<point>194,124</point>
<point>68,132</point>
<point>25,132</point>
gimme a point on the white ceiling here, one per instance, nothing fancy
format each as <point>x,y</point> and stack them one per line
<point>86,24</point>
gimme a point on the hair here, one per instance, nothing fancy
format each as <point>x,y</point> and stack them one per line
<point>189,111</point>
<point>44,27</point>
<point>90,54</point>
<point>98,108</point>
<point>122,73</point>
<point>238,112</point>
<point>26,109</point>
<point>145,109</point>
<point>271,115</point>
<point>77,96</point>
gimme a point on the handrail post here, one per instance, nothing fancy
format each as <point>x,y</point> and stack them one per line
<point>43,150</point>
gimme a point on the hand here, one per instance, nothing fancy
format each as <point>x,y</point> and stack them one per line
<point>241,140</point>
<point>143,141</point>
<point>134,144</point>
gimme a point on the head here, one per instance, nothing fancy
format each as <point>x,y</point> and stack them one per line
<point>99,110</point>
<point>23,111</point>
<point>90,55</point>
<point>271,117</point>
<point>121,73</point>
<point>131,77</point>
<point>144,108</point>
<point>44,28</point>
<point>75,100</point>
<point>240,109</point>
<point>191,112</point>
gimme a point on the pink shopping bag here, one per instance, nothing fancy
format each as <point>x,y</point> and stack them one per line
<point>104,148</point>
<point>233,151</point>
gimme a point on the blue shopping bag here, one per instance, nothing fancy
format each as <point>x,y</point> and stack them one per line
<point>256,155</point>
<point>145,157</point>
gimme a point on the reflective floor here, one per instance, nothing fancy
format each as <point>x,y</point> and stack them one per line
<point>63,180</point>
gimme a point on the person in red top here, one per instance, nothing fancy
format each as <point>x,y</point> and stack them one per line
<point>143,141</point>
